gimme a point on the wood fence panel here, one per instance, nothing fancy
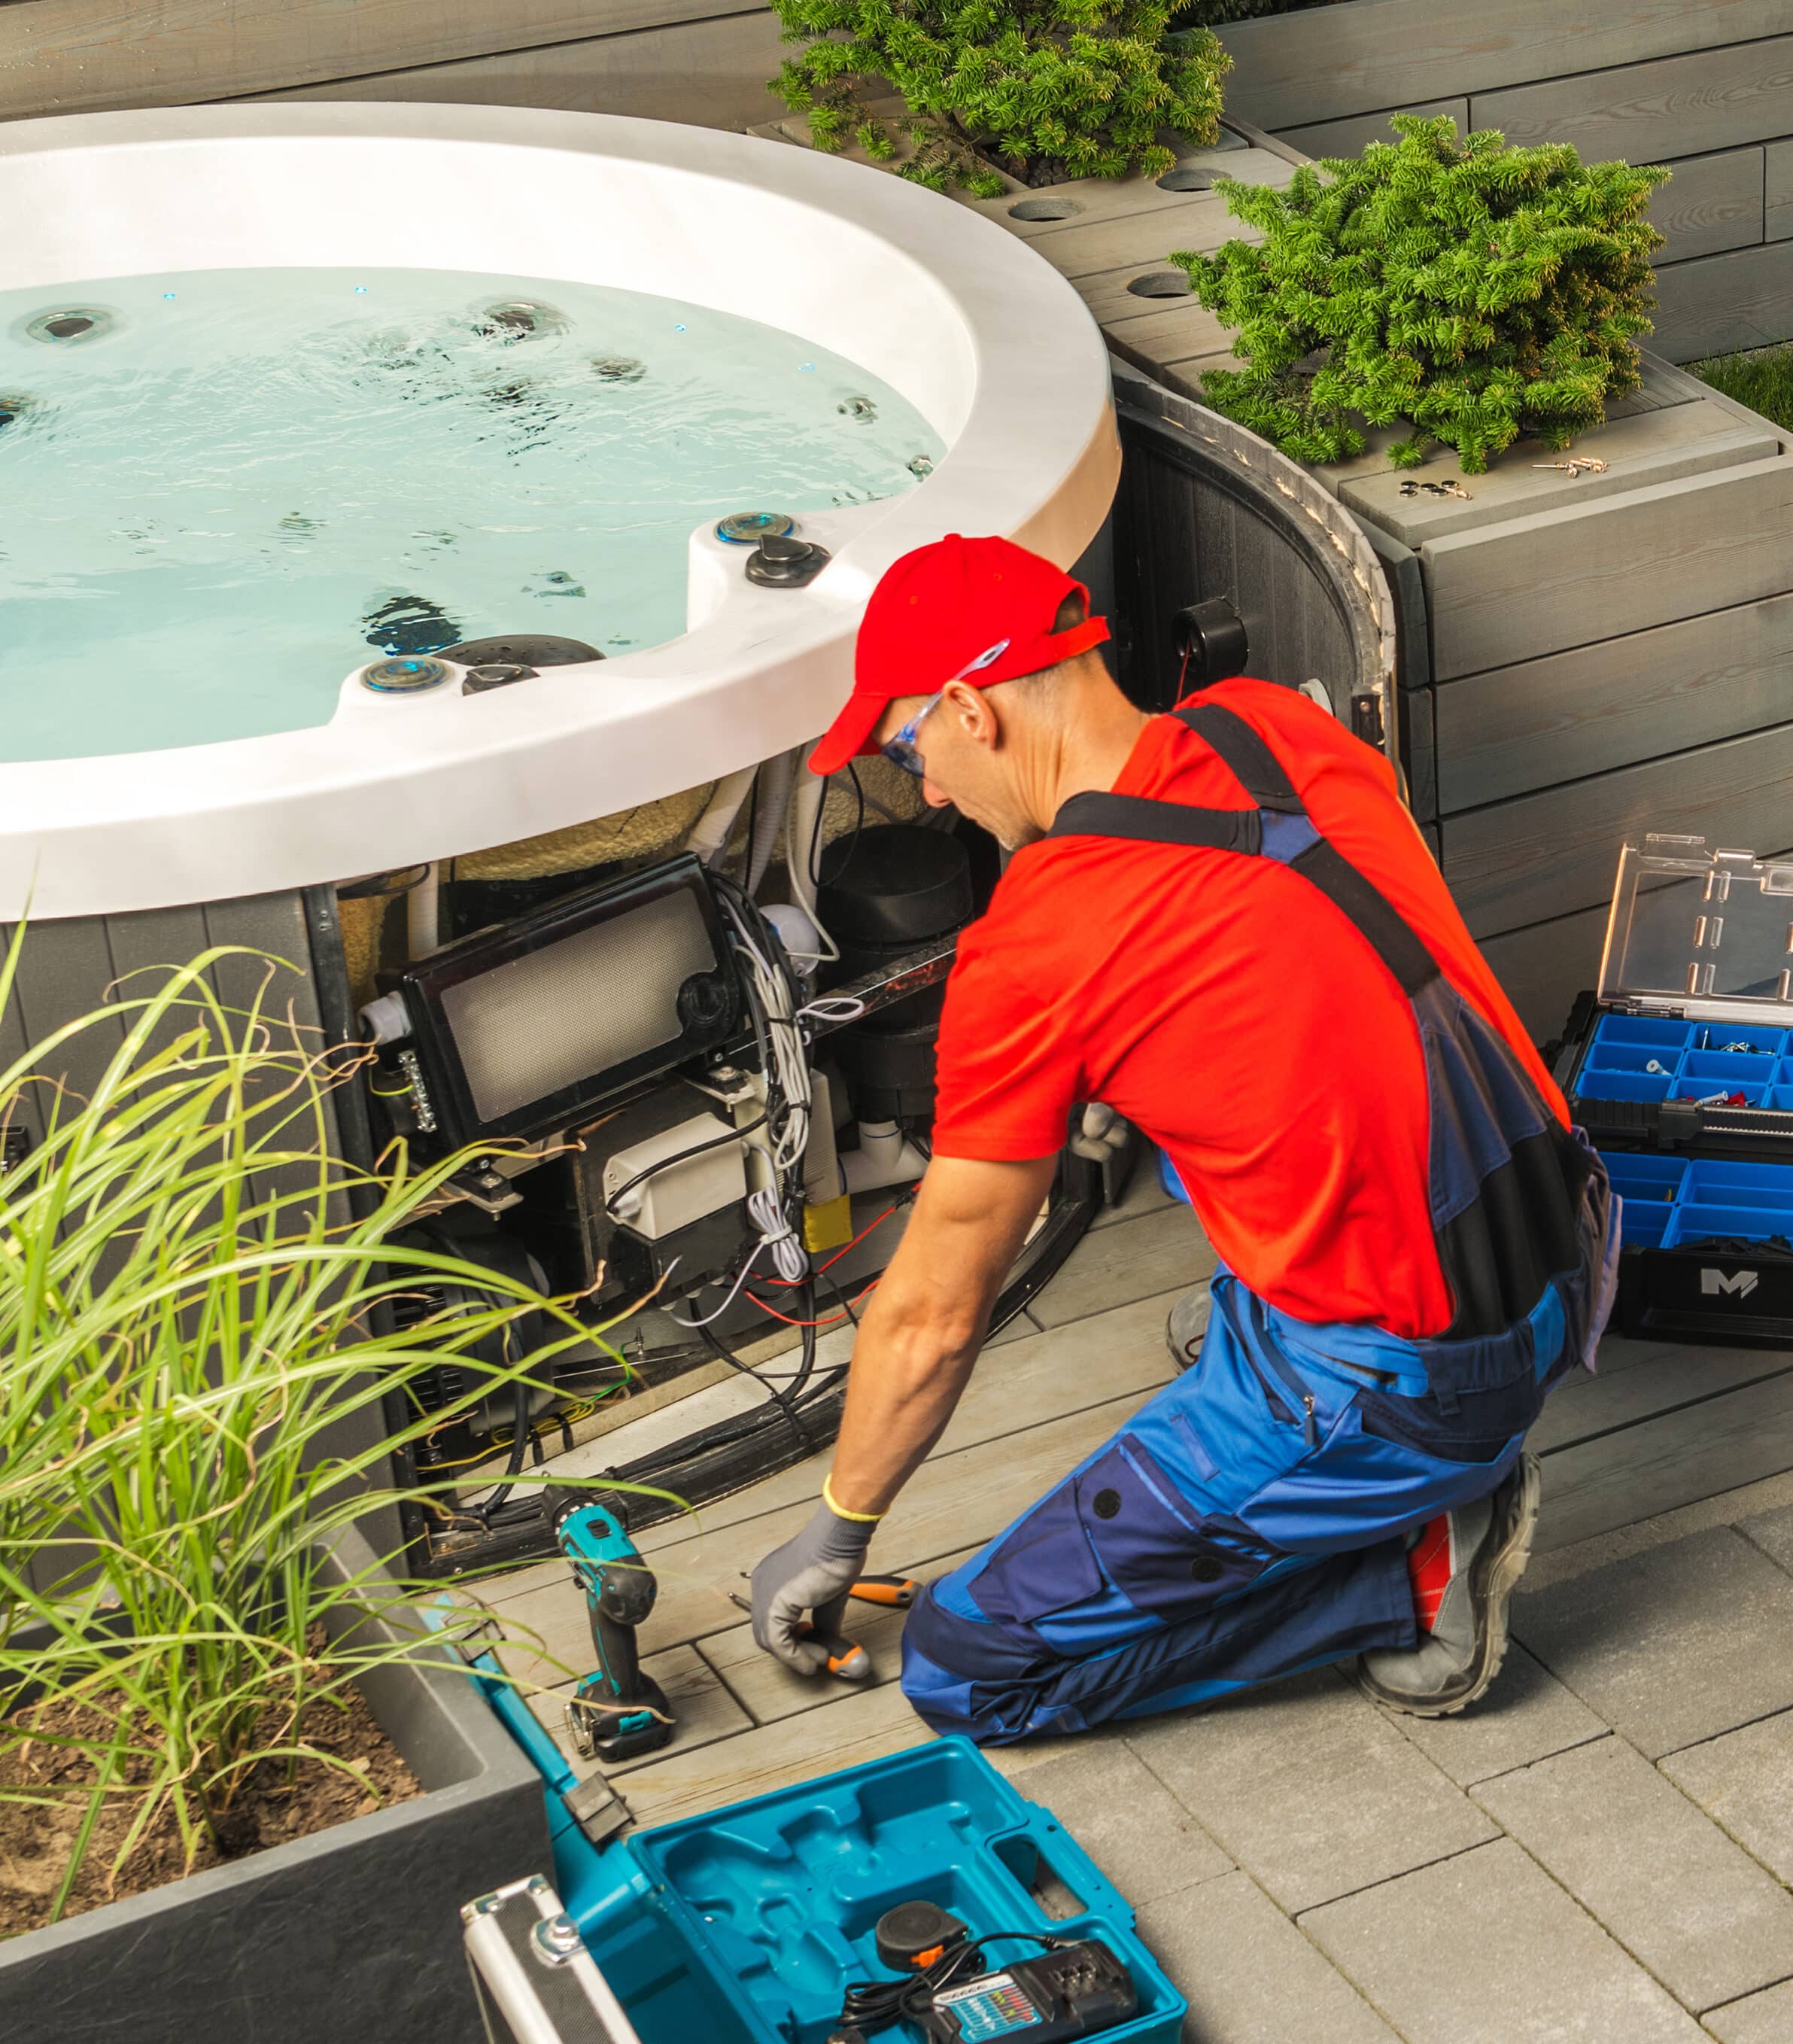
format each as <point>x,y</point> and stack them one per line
<point>1721,303</point>
<point>709,73</point>
<point>1778,214</point>
<point>1339,61</point>
<point>1711,204</point>
<point>65,57</point>
<point>1681,105</point>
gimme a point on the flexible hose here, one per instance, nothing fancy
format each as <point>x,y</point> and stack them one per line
<point>774,798</point>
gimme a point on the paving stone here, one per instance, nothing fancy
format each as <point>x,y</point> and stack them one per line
<point>1526,1717</point>
<point>1310,1789</point>
<point>1771,1531</point>
<point>1487,1948</point>
<point>1136,1831</point>
<point>1745,1781</point>
<point>1675,1645</point>
<point>1759,2019</point>
<point>1694,1908</point>
<point>1250,1976</point>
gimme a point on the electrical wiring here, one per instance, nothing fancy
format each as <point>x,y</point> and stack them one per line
<point>741,1279</point>
<point>870,1227</point>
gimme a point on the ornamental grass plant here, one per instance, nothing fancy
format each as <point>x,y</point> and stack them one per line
<point>1047,89</point>
<point>1475,291</point>
<point>202,1383</point>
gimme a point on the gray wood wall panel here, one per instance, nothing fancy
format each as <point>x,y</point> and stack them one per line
<point>1350,137</point>
<point>1721,303</point>
<point>1680,105</point>
<point>1624,699</point>
<point>1711,204</point>
<point>1545,855</point>
<point>1544,967</point>
<point>69,56</point>
<point>710,74</point>
<point>1291,71</point>
<point>1778,206</point>
<point>1562,579</point>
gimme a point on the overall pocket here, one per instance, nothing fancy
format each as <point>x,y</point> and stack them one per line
<point>1044,1564</point>
<point>1158,1552</point>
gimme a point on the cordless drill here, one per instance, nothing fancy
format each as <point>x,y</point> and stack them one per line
<point>617,1712</point>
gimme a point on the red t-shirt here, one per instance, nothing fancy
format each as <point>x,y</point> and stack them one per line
<point>1229,1010</point>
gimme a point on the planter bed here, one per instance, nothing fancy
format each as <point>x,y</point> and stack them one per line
<point>353,1932</point>
<point>1704,88</point>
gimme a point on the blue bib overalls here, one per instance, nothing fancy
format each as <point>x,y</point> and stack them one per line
<point>1248,1522</point>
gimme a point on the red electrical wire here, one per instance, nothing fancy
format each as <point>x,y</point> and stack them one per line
<point>833,1260</point>
<point>832,1320</point>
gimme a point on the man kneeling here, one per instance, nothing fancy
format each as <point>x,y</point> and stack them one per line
<point>1222,924</point>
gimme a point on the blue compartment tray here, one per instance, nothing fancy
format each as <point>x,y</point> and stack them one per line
<point>1671,1200</point>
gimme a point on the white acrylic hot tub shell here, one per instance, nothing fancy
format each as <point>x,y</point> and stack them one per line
<point>986,340</point>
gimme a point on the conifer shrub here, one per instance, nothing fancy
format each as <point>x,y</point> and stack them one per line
<point>1048,88</point>
<point>1475,291</point>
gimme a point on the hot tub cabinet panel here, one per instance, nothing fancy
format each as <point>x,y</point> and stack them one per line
<point>354,1932</point>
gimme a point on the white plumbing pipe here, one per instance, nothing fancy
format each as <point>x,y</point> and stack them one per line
<point>885,1157</point>
<point>769,823</point>
<point>423,914</point>
<point>710,833</point>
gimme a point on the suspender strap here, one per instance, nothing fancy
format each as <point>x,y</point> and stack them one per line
<point>1258,770</point>
<point>1368,907</point>
<point>1254,765</point>
<point>1159,823</point>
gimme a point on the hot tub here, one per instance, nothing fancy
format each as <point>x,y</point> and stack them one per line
<point>991,348</point>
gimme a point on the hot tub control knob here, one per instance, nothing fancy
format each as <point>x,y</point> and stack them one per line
<point>784,562</point>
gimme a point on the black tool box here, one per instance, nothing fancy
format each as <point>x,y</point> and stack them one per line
<point>1680,1068</point>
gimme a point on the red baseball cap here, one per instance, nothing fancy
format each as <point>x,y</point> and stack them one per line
<point>972,610</point>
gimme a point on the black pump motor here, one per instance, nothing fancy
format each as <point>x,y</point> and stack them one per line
<point>884,892</point>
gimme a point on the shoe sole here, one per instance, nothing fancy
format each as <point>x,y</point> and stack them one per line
<point>1494,1577</point>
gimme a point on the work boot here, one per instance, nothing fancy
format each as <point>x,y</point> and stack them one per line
<point>1183,1331</point>
<point>1454,1662</point>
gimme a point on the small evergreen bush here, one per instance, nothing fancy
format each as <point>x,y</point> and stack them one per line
<point>1478,291</point>
<point>1053,89</point>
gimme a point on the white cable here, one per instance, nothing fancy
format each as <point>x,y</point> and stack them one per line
<point>733,1288</point>
<point>766,1210</point>
<point>833,1007</point>
<point>786,1049</point>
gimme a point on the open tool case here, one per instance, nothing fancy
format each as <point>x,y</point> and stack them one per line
<point>743,1926</point>
<point>1680,1068</point>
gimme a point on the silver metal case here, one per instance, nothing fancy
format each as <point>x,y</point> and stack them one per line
<point>536,1982</point>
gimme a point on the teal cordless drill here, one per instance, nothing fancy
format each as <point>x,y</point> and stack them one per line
<point>617,1712</point>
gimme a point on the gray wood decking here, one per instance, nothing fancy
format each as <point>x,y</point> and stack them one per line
<point>1661,1426</point>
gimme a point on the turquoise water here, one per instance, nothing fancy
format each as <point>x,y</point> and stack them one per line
<point>250,482</point>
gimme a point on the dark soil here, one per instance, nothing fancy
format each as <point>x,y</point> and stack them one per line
<point>271,1808</point>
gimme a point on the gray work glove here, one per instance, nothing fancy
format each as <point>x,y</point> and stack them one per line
<point>810,1573</point>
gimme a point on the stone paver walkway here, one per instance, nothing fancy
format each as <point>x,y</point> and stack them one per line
<point>1601,1850</point>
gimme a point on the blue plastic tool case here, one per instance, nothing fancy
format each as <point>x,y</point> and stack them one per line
<point>1680,1065</point>
<point>744,1925</point>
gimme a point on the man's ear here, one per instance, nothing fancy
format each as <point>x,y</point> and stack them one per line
<point>974,711</point>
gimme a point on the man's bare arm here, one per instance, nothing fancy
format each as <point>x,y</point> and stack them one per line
<point>928,1319</point>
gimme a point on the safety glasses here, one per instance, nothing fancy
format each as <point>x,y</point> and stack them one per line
<point>900,751</point>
